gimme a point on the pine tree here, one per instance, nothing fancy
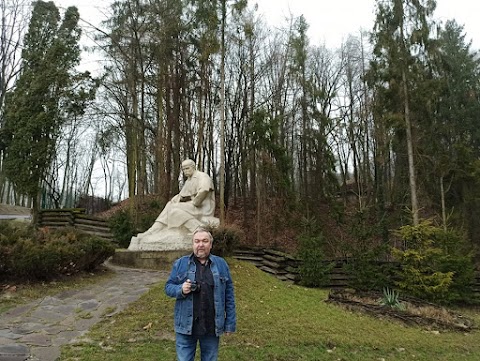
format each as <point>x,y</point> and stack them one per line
<point>402,43</point>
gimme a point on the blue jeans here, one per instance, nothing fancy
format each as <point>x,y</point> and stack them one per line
<point>187,345</point>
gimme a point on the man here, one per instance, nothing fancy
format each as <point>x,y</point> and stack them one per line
<point>205,301</point>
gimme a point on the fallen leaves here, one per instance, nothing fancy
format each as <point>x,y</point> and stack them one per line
<point>148,326</point>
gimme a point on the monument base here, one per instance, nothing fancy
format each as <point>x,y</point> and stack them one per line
<point>154,250</point>
<point>165,240</point>
<point>157,260</point>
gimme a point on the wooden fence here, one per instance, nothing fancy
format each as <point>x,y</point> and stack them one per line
<point>286,268</point>
<point>76,217</point>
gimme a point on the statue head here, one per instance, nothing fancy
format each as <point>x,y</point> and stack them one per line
<point>188,167</point>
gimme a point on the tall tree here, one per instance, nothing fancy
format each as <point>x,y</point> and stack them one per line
<point>43,98</point>
<point>237,6</point>
<point>13,25</point>
<point>452,139</point>
<point>401,40</point>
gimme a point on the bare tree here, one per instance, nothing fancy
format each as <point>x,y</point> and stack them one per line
<point>14,17</point>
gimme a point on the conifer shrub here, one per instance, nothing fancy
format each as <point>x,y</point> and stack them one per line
<point>225,240</point>
<point>366,270</point>
<point>435,265</point>
<point>124,224</point>
<point>149,213</point>
<point>33,255</point>
<point>314,268</point>
<point>367,267</point>
<point>122,227</point>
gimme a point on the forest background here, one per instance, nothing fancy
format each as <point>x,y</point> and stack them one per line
<point>379,133</point>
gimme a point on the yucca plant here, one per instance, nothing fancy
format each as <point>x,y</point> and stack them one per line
<point>391,299</point>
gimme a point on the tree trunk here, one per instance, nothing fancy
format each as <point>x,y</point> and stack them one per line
<point>411,164</point>
<point>222,118</point>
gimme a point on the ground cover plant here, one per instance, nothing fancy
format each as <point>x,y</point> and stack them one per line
<point>36,263</point>
<point>276,321</point>
<point>30,254</point>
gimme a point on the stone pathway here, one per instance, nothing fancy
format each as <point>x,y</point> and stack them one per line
<point>36,331</point>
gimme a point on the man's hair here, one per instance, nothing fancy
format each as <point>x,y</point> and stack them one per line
<point>201,229</point>
<point>189,162</point>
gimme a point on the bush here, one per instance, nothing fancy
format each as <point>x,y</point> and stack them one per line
<point>122,227</point>
<point>42,254</point>
<point>435,265</point>
<point>314,269</point>
<point>366,266</point>
<point>126,223</point>
<point>148,214</point>
<point>225,240</point>
<point>366,271</point>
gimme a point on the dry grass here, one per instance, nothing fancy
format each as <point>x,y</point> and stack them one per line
<point>411,311</point>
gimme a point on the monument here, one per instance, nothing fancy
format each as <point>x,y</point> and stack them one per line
<point>194,206</point>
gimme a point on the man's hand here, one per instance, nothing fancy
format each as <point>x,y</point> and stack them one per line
<point>187,287</point>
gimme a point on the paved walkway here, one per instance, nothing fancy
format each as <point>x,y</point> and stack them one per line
<point>37,330</point>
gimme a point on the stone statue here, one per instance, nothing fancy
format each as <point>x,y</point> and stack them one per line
<point>193,207</point>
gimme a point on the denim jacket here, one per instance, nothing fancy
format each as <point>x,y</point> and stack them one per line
<point>224,300</point>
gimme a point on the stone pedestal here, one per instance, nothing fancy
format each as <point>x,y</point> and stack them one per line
<point>155,249</point>
<point>157,260</point>
<point>165,240</point>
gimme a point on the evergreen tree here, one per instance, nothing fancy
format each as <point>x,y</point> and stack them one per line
<point>402,43</point>
<point>451,150</point>
<point>46,93</point>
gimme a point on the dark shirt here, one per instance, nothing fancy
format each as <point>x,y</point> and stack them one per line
<point>203,304</point>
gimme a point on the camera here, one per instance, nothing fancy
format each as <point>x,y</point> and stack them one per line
<point>195,287</point>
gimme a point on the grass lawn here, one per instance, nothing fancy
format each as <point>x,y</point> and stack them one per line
<point>276,321</point>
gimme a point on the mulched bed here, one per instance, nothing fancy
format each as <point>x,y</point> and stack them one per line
<point>415,312</point>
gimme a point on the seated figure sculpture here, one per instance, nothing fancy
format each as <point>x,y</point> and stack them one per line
<point>193,207</point>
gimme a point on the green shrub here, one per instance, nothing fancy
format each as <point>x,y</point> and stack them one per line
<point>124,224</point>
<point>43,254</point>
<point>366,266</point>
<point>314,269</point>
<point>149,214</point>
<point>435,265</point>
<point>225,240</point>
<point>367,271</point>
<point>10,233</point>
<point>122,227</point>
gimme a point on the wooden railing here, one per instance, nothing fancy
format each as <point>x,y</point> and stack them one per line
<point>286,268</point>
<point>281,265</point>
<point>75,217</point>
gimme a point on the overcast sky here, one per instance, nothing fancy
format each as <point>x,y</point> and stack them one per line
<point>330,21</point>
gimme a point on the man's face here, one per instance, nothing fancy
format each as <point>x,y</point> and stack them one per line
<point>188,170</point>
<point>201,245</point>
